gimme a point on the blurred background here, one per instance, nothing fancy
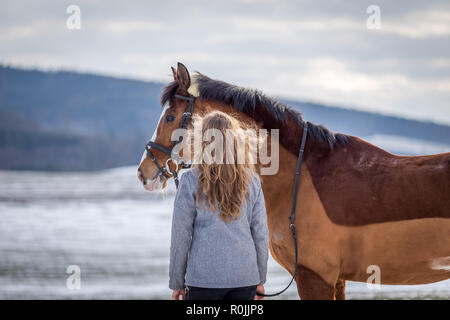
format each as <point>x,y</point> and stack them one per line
<point>79,98</point>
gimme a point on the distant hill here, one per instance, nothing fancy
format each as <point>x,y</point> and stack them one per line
<point>73,121</point>
<point>364,124</point>
<point>80,103</point>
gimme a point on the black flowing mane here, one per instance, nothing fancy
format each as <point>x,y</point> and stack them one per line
<point>249,100</point>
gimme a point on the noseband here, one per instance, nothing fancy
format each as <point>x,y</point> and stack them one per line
<point>165,170</point>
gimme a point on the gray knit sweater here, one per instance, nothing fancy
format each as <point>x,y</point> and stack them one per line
<point>207,252</point>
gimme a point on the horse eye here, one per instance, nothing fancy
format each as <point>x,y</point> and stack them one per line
<point>170,118</point>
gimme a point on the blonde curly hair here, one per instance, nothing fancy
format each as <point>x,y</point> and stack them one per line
<point>224,186</point>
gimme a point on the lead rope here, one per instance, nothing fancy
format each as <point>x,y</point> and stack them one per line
<point>294,204</point>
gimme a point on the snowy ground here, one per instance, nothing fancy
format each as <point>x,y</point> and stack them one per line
<point>117,233</point>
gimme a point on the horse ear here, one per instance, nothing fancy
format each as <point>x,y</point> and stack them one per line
<point>174,72</point>
<point>183,77</point>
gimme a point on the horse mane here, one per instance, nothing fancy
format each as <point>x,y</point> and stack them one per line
<point>249,101</point>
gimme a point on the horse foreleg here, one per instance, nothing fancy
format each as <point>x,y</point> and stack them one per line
<point>311,286</point>
<point>340,290</point>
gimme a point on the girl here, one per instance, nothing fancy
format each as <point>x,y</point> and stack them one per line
<point>219,241</point>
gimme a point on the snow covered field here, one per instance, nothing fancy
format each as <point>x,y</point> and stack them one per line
<point>117,233</point>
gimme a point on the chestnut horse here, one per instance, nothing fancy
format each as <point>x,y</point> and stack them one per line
<point>359,206</point>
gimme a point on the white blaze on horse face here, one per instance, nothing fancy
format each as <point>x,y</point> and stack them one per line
<point>159,121</point>
<point>153,138</point>
<point>144,155</point>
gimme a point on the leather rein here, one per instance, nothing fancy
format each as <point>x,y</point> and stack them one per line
<point>294,205</point>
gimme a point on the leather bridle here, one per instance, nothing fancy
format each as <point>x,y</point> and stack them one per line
<point>164,171</point>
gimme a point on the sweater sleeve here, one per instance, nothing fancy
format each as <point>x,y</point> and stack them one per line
<point>260,233</point>
<point>182,230</point>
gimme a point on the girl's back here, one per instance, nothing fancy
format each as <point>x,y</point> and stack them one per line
<point>222,254</point>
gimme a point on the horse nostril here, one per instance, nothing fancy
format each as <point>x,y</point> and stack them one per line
<point>141,176</point>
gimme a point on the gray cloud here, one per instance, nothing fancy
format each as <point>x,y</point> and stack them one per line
<point>317,50</point>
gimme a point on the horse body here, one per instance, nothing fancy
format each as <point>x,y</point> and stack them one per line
<point>390,211</point>
<point>358,205</point>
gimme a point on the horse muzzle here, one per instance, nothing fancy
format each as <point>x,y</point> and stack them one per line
<point>150,184</point>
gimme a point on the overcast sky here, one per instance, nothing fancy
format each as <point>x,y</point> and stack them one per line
<point>319,51</point>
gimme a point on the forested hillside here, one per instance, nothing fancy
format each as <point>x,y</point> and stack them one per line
<point>74,121</point>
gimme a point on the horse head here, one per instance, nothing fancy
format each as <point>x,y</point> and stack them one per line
<point>157,165</point>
